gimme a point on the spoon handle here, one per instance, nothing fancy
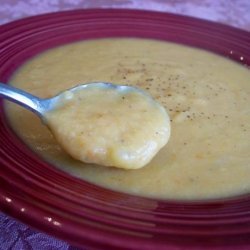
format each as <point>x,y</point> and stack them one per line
<point>21,97</point>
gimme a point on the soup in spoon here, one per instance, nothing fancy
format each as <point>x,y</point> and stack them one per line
<point>102,124</point>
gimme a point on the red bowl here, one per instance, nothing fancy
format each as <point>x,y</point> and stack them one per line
<point>82,213</point>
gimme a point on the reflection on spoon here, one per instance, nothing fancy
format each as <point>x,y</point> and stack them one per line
<point>101,123</point>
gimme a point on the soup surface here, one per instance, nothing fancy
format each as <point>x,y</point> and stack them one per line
<point>208,101</point>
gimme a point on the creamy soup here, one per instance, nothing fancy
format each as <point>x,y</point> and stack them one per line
<point>108,125</point>
<point>207,97</point>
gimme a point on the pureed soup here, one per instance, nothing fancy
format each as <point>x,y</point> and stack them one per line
<point>113,141</point>
<point>207,97</point>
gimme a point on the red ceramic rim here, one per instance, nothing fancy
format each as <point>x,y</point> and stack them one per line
<point>84,214</point>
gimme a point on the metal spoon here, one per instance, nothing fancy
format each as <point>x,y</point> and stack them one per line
<point>134,154</point>
<point>41,106</point>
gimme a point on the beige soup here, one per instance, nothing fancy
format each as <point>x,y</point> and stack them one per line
<point>102,124</point>
<point>208,101</point>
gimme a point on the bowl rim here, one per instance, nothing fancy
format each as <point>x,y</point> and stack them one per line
<point>110,219</point>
